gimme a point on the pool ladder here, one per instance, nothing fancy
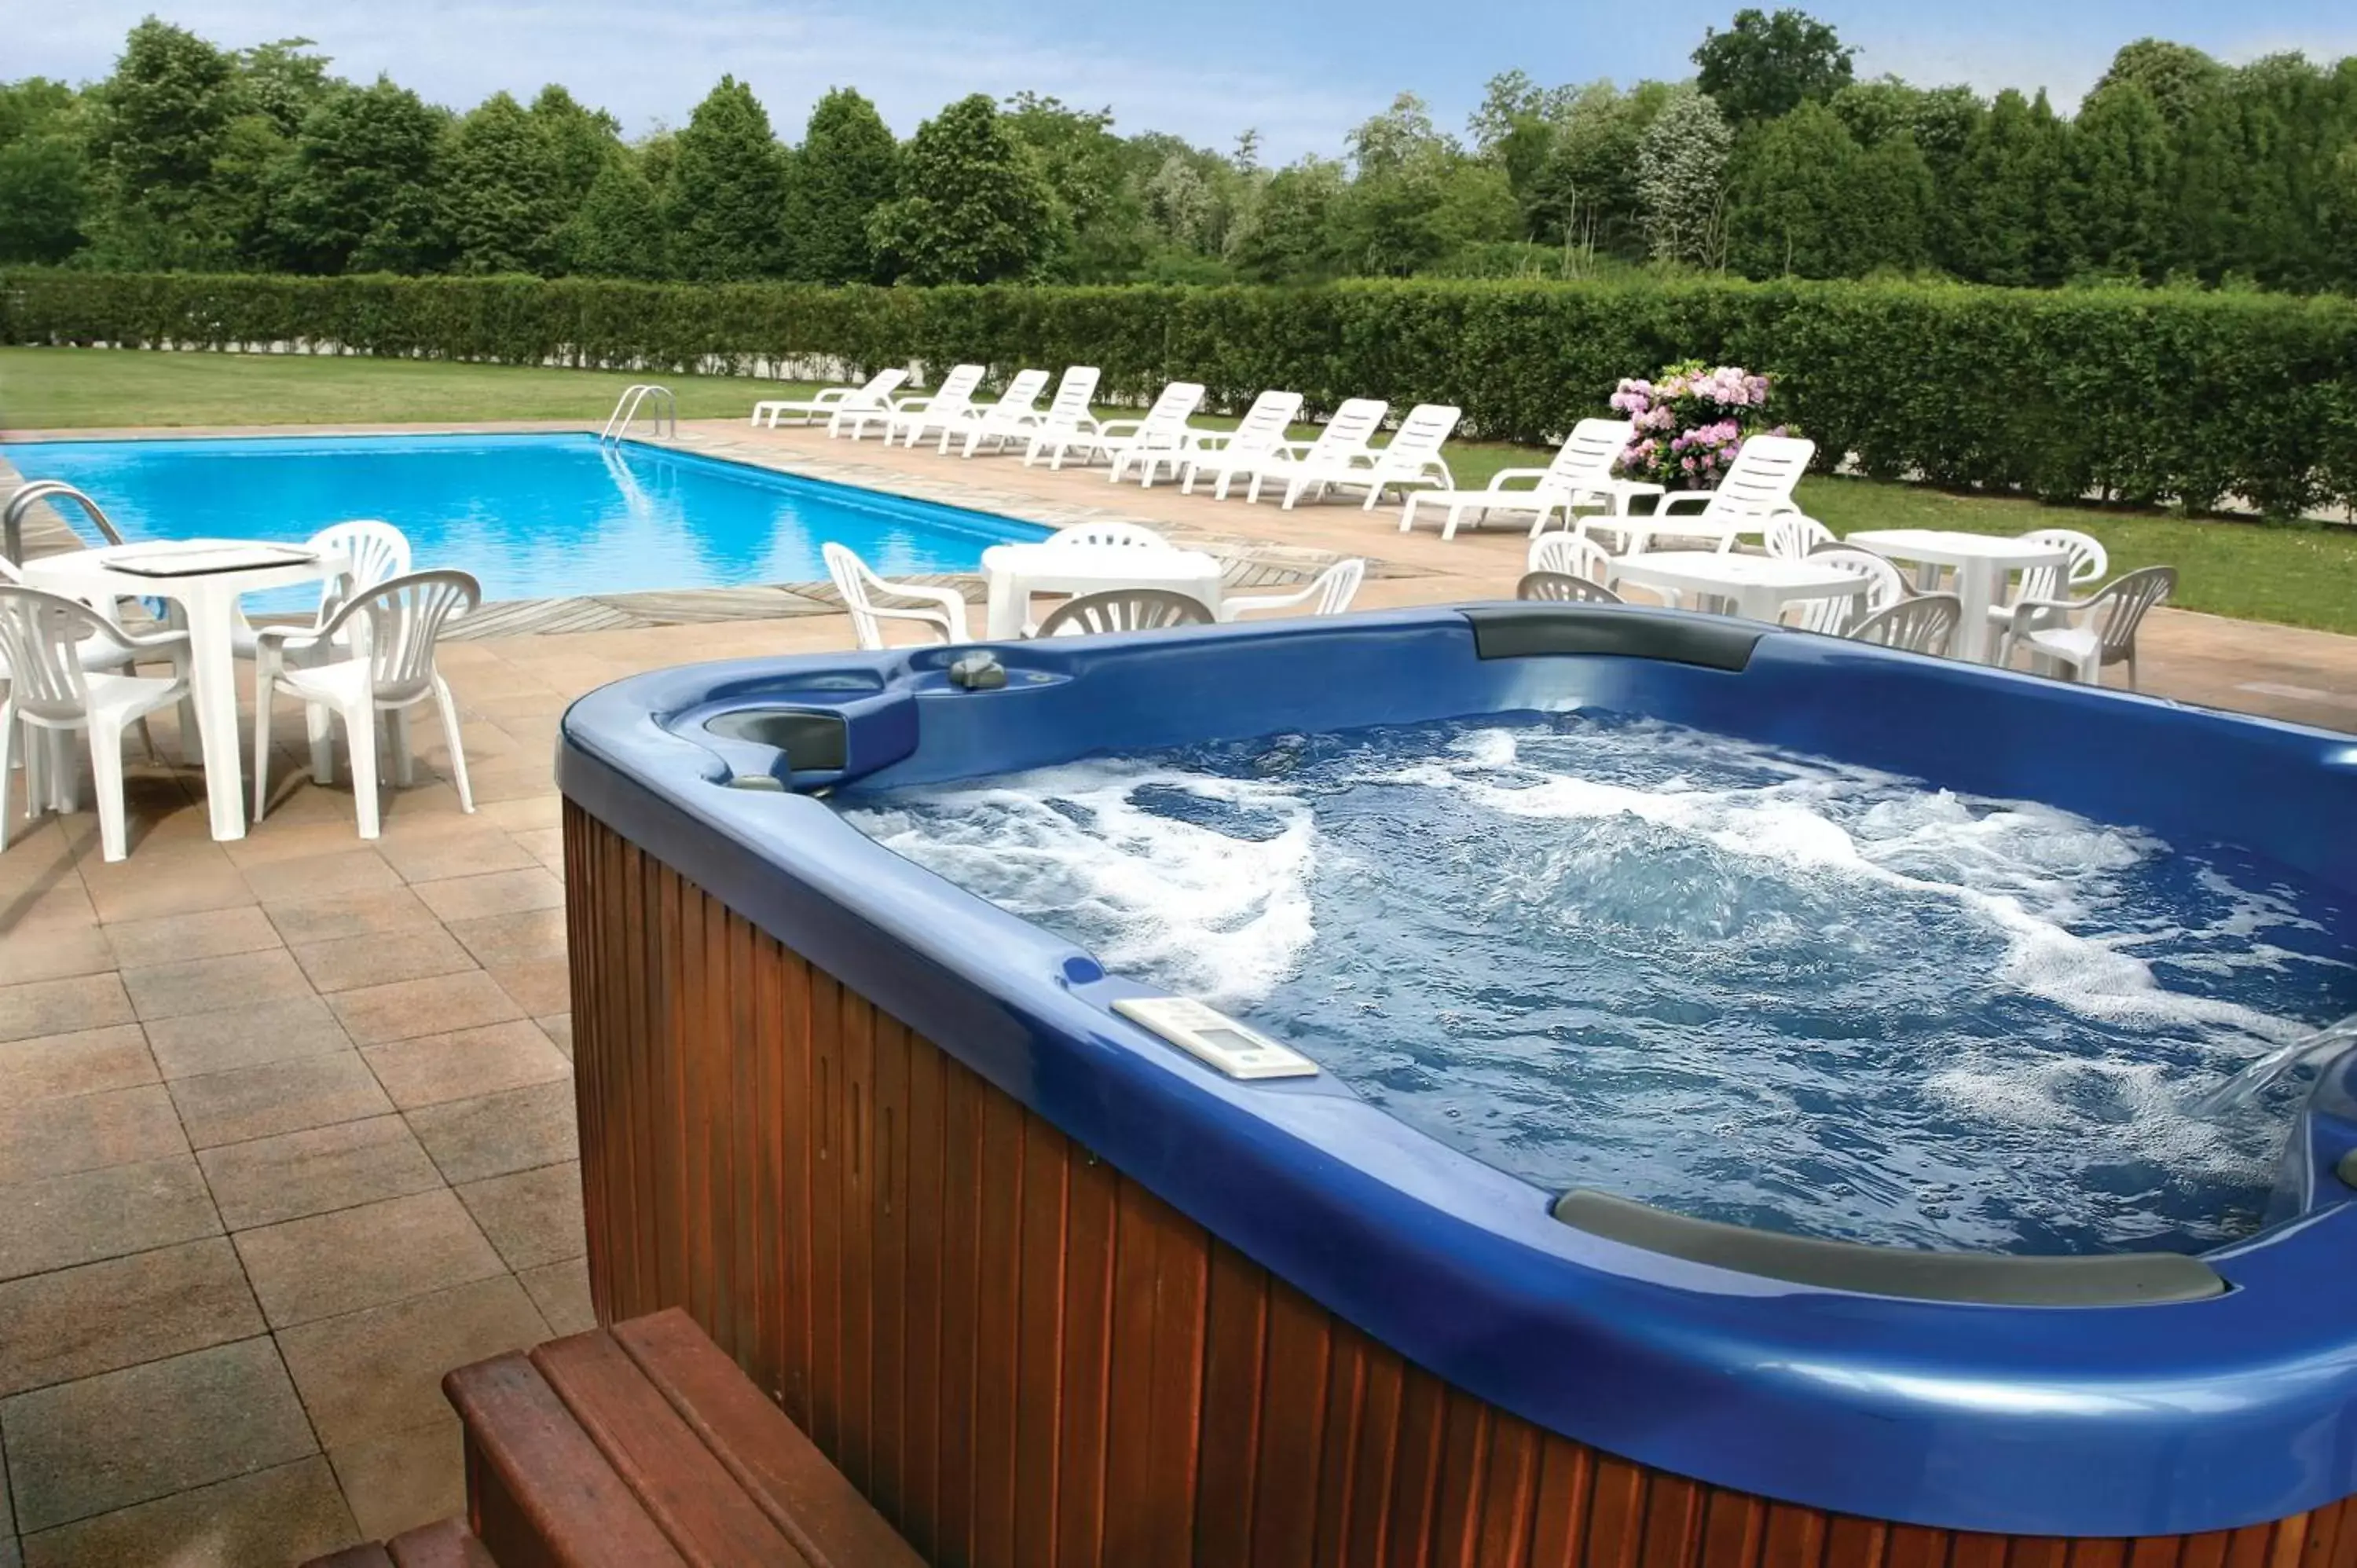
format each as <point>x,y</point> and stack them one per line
<point>12,520</point>
<point>660,405</point>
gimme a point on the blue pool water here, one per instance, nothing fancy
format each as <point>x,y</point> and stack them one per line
<point>531,516</point>
<point>1735,981</point>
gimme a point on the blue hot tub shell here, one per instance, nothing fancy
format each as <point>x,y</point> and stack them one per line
<point>2124,1397</point>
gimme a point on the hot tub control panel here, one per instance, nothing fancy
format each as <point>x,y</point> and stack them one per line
<point>1213,1036</point>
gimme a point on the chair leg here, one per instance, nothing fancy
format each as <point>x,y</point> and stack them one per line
<point>320,725</point>
<point>260,749</point>
<point>106,779</point>
<point>405,765</point>
<point>7,745</point>
<point>192,748</point>
<point>450,710</point>
<point>360,738</point>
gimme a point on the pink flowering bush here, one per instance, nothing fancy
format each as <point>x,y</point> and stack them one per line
<point>1691,420</point>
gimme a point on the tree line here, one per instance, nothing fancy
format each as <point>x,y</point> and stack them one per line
<point>1773,160</point>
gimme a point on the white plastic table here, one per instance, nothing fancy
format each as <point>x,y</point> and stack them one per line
<point>209,599</point>
<point>1016,571</point>
<point>1983,562</point>
<point>1758,585</point>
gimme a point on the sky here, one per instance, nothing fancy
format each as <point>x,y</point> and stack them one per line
<point>1301,74</point>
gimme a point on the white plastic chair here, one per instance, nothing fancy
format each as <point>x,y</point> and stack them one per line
<point>1332,591</point>
<point>909,420</point>
<point>1161,437</point>
<point>1834,614</point>
<point>50,645</point>
<point>942,611</point>
<point>1124,610</point>
<point>392,631</point>
<point>1925,624</point>
<point>1067,423</point>
<point>2087,563</point>
<point>1789,536</point>
<point>1571,554</point>
<point>1756,486</point>
<point>1412,457</point>
<point>1564,588</point>
<point>1226,454</point>
<point>378,551</point>
<point>1581,472</point>
<point>1000,421</point>
<point>1343,436</point>
<point>2086,635</point>
<point>1134,535</point>
<point>831,402</point>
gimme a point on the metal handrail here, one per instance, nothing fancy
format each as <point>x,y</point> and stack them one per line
<point>12,519</point>
<point>626,410</point>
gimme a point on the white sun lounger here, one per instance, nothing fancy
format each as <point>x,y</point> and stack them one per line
<point>1581,474</point>
<point>831,402</point>
<point>956,391</point>
<point>1021,397</point>
<point>1224,454</point>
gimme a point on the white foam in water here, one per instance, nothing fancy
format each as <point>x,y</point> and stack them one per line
<point>1738,982</point>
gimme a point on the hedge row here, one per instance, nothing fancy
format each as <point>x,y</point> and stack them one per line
<point>2145,397</point>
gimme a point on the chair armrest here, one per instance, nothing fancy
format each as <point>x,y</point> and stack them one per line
<point>948,601</point>
<point>827,397</point>
<point>1117,428</point>
<point>1537,476</point>
<point>1671,500</point>
<point>917,405</point>
<point>1233,606</point>
<point>2023,614</point>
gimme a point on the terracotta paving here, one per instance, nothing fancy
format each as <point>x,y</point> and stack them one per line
<point>287,1124</point>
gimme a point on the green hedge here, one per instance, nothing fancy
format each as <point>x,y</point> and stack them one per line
<point>2146,396</point>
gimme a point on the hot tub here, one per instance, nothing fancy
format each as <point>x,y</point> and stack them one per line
<point>1051,1289</point>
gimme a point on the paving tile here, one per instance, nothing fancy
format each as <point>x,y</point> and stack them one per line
<point>558,1027</point>
<point>524,1128</point>
<point>87,1131</point>
<point>58,952</point>
<point>200,1417</point>
<point>146,888</point>
<point>58,1221</point>
<point>545,845</point>
<point>304,823</point>
<point>288,1514</point>
<point>266,1180</point>
<point>530,936</point>
<point>338,1262</point>
<point>176,938</point>
<point>40,905</point>
<point>352,963</point>
<point>76,1323</point>
<point>378,1370</point>
<point>561,1290</point>
<point>212,984</point>
<point>518,816</point>
<point>533,1217</point>
<point>408,1008</point>
<point>338,915</point>
<point>500,893</point>
<point>318,876</point>
<point>464,1063</point>
<point>432,853</point>
<point>201,1043</point>
<point>404,1480</point>
<point>277,1096</point>
<point>87,1062</point>
<point>62,1006</point>
<point>543,985</point>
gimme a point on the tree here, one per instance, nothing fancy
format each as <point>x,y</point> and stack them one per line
<point>505,190</point>
<point>1585,193</point>
<point>724,202</point>
<point>1281,235</point>
<point>363,192</point>
<point>972,207</point>
<point>1764,66</point>
<point>848,166</point>
<point>1681,170</point>
<point>2010,198</point>
<point>163,119</point>
<point>1806,200</point>
<point>44,172</point>
<point>1416,197</point>
<point>2123,167</point>
<point>1100,217</point>
<point>2177,77</point>
<point>283,82</point>
<point>618,232</point>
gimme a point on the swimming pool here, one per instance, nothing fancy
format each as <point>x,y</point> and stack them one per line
<point>531,516</point>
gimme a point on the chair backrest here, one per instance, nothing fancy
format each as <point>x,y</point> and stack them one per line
<point>2118,607</point>
<point>1570,554</point>
<point>1071,404</point>
<point>1263,426</point>
<point>1884,588</point>
<point>1791,535</point>
<point>1760,482</point>
<point>1132,534</point>
<point>378,551</point>
<point>1338,585</point>
<point>1589,453</point>
<point>40,646</point>
<point>1564,587</point>
<point>955,394</point>
<point>1124,610</point>
<point>1173,406</point>
<point>2087,563</point>
<point>396,625</point>
<point>1021,396</point>
<point>1353,426</point>
<point>1922,625</point>
<point>851,577</point>
<point>881,385</point>
<point>1428,425</point>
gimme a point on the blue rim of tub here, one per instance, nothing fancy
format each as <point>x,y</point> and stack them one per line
<point>2234,1405</point>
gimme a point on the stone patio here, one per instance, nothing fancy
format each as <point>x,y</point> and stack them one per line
<point>287,1124</point>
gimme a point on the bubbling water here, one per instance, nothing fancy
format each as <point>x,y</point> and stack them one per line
<point>1741,983</point>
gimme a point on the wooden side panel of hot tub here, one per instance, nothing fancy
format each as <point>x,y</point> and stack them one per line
<point>1026,1360</point>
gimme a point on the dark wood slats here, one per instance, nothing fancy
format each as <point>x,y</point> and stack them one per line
<point>1026,1360</point>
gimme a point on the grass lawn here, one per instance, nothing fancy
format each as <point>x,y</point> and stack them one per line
<point>2297,575</point>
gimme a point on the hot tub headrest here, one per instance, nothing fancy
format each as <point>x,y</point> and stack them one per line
<point>1635,631</point>
<point>1982,1279</point>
